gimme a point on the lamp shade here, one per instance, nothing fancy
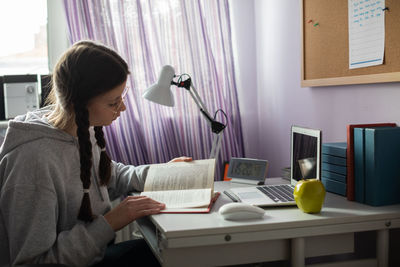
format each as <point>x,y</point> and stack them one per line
<point>160,92</point>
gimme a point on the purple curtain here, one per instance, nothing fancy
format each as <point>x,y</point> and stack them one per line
<point>192,36</point>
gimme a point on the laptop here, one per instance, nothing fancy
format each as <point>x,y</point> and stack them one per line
<point>305,162</point>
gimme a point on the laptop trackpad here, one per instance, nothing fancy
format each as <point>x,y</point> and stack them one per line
<point>250,195</point>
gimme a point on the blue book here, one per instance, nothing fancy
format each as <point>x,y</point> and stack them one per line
<point>334,168</point>
<point>334,186</point>
<point>334,176</point>
<point>359,163</point>
<point>335,149</point>
<point>359,171</point>
<point>334,159</point>
<point>382,166</point>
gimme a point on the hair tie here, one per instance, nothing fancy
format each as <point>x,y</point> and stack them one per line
<point>103,149</point>
<point>86,191</point>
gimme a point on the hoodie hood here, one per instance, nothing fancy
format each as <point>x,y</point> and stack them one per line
<point>31,127</point>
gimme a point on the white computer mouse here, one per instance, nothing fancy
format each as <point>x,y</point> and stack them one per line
<point>240,211</point>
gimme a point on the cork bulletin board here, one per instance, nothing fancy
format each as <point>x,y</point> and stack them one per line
<point>325,45</point>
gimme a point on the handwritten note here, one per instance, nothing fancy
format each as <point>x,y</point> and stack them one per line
<point>366,33</point>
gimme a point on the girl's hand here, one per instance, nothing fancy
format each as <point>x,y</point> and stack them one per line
<point>180,159</point>
<point>130,209</point>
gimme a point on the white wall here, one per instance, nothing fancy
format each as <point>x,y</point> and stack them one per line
<point>281,100</point>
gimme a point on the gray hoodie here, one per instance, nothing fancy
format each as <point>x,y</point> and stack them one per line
<point>41,193</point>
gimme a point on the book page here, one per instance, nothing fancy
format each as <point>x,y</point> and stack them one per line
<point>366,33</point>
<point>191,198</point>
<point>195,174</point>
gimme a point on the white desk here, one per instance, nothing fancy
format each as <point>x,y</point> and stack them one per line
<point>283,234</point>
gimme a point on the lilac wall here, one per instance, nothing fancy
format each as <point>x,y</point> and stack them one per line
<point>244,45</point>
<point>280,100</point>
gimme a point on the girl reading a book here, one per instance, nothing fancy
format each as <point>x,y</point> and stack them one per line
<point>56,179</point>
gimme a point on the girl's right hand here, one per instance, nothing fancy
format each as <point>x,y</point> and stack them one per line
<point>130,209</point>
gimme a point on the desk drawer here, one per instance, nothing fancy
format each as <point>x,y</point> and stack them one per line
<point>329,245</point>
<point>258,251</point>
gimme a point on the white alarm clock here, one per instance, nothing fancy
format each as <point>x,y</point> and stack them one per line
<point>249,171</point>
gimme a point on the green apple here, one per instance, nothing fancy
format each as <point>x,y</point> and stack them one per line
<point>309,195</point>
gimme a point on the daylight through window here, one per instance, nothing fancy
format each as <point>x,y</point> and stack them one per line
<point>23,31</point>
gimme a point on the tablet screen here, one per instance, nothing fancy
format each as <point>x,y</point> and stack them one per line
<point>305,153</point>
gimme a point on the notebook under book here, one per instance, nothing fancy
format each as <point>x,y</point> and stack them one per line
<point>305,162</point>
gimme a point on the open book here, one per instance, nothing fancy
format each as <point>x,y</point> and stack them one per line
<point>182,186</point>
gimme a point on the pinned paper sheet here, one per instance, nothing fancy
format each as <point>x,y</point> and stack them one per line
<point>366,33</point>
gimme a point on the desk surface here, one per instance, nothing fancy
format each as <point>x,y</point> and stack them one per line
<point>337,216</point>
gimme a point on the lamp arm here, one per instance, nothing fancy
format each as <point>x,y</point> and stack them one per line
<point>216,127</point>
<point>199,103</point>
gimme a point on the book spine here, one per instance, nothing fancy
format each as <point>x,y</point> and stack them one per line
<point>359,172</point>
<point>334,176</point>
<point>334,186</point>
<point>370,167</point>
<point>333,150</point>
<point>382,168</point>
<point>334,168</point>
<point>334,159</point>
<point>350,164</point>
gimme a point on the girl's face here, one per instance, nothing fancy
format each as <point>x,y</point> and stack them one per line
<point>104,109</point>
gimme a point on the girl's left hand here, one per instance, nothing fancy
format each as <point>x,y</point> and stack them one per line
<point>181,159</point>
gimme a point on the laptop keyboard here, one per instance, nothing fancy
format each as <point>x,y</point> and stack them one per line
<point>278,193</point>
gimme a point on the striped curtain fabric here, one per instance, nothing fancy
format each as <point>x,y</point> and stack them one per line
<point>192,36</point>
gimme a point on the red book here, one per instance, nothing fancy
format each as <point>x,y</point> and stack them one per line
<point>350,153</point>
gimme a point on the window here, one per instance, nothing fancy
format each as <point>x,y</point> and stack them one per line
<point>23,31</point>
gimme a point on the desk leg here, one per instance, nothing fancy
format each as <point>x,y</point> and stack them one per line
<point>297,251</point>
<point>382,247</point>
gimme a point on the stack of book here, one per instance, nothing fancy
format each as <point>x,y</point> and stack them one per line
<point>334,167</point>
<point>377,165</point>
<point>350,153</point>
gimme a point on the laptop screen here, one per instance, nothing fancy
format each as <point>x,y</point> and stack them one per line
<point>305,153</point>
